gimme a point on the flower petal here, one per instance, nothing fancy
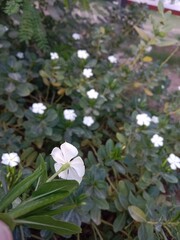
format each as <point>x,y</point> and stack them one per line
<point>57,155</point>
<point>68,151</point>
<point>78,165</point>
<point>72,175</point>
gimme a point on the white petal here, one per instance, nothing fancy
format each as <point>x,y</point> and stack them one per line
<point>178,165</point>
<point>57,155</point>
<point>63,174</point>
<point>73,175</point>
<point>78,164</point>
<point>173,166</point>
<point>13,164</point>
<point>68,151</point>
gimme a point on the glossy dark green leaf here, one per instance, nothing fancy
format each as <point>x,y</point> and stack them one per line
<point>170,178</point>
<point>11,105</point>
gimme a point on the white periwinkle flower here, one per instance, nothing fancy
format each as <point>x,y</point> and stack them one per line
<point>92,94</point>
<point>174,161</point>
<point>69,114</point>
<point>143,119</point>
<point>66,157</point>
<point>83,54</point>
<point>88,121</point>
<point>87,72</point>
<point>76,36</point>
<point>54,55</point>
<point>20,55</point>
<point>112,59</point>
<point>155,119</point>
<point>38,108</point>
<point>10,159</point>
<point>157,140</point>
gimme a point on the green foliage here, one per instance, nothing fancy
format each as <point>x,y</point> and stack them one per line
<point>129,190</point>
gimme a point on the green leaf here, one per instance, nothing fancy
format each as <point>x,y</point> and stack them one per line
<point>55,186</point>
<point>20,188</point>
<point>121,138</point>
<point>109,146</point>
<point>119,222</point>
<point>11,105</point>
<point>146,231</point>
<point>25,89</point>
<point>47,194</point>
<point>36,203</point>
<point>101,203</point>
<point>142,33</point>
<point>137,214</point>
<point>5,217</point>
<point>170,178</point>
<point>48,223</point>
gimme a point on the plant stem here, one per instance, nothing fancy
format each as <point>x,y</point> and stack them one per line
<point>97,231</point>
<point>63,168</point>
<point>167,59</point>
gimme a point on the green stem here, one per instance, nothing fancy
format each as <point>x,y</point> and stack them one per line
<point>167,59</point>
<point>63,168</point>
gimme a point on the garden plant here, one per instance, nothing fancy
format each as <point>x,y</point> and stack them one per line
<point>89,134</point>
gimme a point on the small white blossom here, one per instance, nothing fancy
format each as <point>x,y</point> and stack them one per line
<point>112,59</point>
<point>10,159</point>
<point>155,119</point>
<point>88,121</point>
<point>67,154</point>
<point>174,161</point>
<point>38,108</point>
<point>157,140</point>
<point>20,55</point>
<point>179,88</point>
<point>92,94</point>
<point>69,114</point>
<point>143,119</point>
<point>87,72</point>
<point>54,55</point>
<point>148,49</point>
<point>162,87</point>
<point>83,54</point>
<point>76,36</point>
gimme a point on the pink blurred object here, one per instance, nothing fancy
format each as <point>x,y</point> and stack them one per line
<point>5,232</point>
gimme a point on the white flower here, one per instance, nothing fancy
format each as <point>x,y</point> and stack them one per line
<point>155,119</point>
<point>87,72</point>
<point>162,87</point>
<point>83,54</point>
<point>38,108</point>
<point>67,154</point>
<point>88,121</point>
<point>179,88</point>
<point>10,159</point>
<point>76,36</point>
<point>157,140</point>
<point>20,55</point>
<point>174,161</point>
<point>148,49</point>
<point>54,55</point>
<point>69,114</point>
<point>92,94</point>
<point>143,119</point>
<point>112,59</point>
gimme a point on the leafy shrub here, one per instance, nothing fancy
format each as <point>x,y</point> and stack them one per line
<point>129,190</point>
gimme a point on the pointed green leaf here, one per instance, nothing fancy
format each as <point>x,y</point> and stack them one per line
<point>137,214</point>
<point>170,178</point>
<point>18,189</point>
<point>55,186</point>
<point>48,223</point>
<point>119,222</point>
<point>142,33</point>
<point>37,203</point>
